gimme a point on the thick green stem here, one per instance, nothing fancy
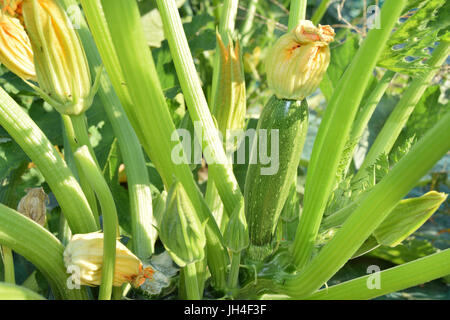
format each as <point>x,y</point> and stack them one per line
<point>297,12</point>
<point>334,131</point>
<point>8,264</point>
<point>12,292</point>
<point>84,184</point>
<point>374,208</point>
<point>364,115</point>
<point>233,277</point>
<point>397,119</point>
<point>320,11</point>
<point>40,247</point>
<point>110,220</point>
<point>222,171</point>
<point>191,283</point>
<point>58,176</point>
<point>143,221</point>
<point>394,279</point>
<point>142,97</point>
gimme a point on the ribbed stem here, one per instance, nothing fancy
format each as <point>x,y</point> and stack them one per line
<point>40,247</point>
<point>334,131</point>
<point>143,99</point>
<point>373,209</point>
<point>222,171</point>
<point>320,11</point>
<point>397,119</point>
<point>8,264</point>
<point>84,184</point>
<point>109,214</point>
<point>138,182</point>
<point>364,115</point>
<point>233,277</point>
<point>394,279</point>
<point>55,171</point>
<point>190,278</point>
<point>297,12</point>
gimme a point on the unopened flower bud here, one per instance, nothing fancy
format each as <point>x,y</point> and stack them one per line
<point>15,48</point>
<point>296,64</point>
<point>85,251</point>
<point>33,205</point>
<point>61,65</point>
<point>230,103</point>
<point>182,233</point>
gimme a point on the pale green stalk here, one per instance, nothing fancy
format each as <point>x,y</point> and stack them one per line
<point>12,292</point>
<point>109,214</point>
<point>84,184</point>
<point>138,182</point>
<point>374,208</point>
<point>124,48</point>
<point>218,163</point>
<point>394,279</point>
<point>397,119</point>
<point>40,247</point>
<point>335,129</point>
<point>365,113</point>
<point>8,264</point>
<point>58,176</point>
<point>320,11</point>
<point>297,12</point>
<point>249,18</point>
<point>190,278</point>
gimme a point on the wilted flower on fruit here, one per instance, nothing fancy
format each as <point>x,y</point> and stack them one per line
<point>33,205</point>
<point>61,65</point>
<point>12,7</point>
<point>85,251</point>
<point>15,48</point>
<point>296,64</point>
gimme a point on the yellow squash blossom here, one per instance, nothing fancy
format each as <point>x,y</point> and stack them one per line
<point>61,65</point>
<point>15,48</point>
<point>296,64</point>
<point>85,251</point>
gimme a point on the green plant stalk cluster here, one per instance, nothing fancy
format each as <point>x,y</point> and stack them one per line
<point>143,99</point>
<point>55,171</point>
<point>371,212</point>
<point>40,247</point>
<point>334,130</point>
<point>144,234</point>
<point>222,171</point>
<point>397,119</point>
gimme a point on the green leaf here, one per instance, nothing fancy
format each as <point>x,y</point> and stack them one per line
<point>407,217</point>
<point>408,251</point>
<point>408,46</point>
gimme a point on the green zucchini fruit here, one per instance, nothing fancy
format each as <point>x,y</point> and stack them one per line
<point>265,194</point>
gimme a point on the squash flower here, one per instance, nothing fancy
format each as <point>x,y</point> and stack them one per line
<point>85,251</point>
<point>296,64</point>
<point>61,65</point>
<point>15,48</point>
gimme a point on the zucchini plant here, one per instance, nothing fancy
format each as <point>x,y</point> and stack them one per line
<point>220,157</point>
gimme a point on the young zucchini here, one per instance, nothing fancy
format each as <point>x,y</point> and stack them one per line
<point>265,194</point>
